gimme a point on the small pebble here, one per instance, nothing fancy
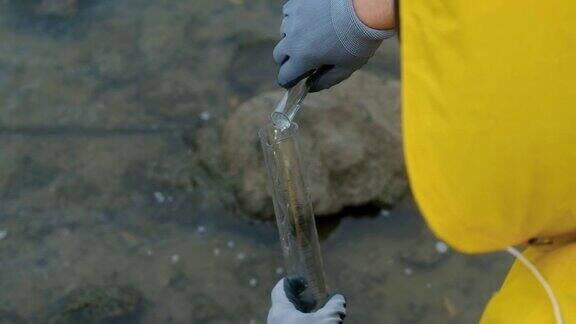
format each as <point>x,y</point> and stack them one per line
<point>3,234</point>
<point>441,247</point>
<point>149,252</point>
<point>241,256</point>
<point>391,261</point>
<point>175,258</point>
<point>233,101</point>
<point>408,271</point>
<point>159,197</point>
<point>231,244</point>
<point>236,2</point>
<point>216,252</point>
<point>252,321</point>
<point>279,270</point>
<point>201,229</point>
<point>205,115</point>
<point>384,213</point>
<point>428,285</point>
<point>253,282</point>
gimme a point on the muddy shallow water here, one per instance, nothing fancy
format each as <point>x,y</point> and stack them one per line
<point>112,205</point>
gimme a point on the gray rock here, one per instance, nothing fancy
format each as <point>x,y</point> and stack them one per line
<point>422,252</point>
<point>8,317</point>
<point>57,8</point>
<point>350,143</point>
<point>99,304</point>
<point>412,313</point>
<point>204,309</point>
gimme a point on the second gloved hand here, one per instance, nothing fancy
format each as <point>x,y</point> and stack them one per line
<point>323,35</point>
<point>284,311</point>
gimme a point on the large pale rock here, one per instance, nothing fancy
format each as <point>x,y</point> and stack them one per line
<point>350,142</point>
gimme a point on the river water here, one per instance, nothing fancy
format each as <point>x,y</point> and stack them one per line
<point>109,211</point>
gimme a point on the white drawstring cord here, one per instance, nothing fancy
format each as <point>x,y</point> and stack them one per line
<point>543,282</point>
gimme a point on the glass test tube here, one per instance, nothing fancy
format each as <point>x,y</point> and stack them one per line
<point>294,214</point>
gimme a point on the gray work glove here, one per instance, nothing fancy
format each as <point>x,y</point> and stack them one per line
<point>324,36</point>
<point>283,311</point>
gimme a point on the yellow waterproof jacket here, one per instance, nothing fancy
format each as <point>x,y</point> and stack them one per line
<point>489,121</point>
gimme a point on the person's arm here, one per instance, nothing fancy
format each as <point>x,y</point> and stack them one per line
<point>377,14</point>
<point>333,38</point>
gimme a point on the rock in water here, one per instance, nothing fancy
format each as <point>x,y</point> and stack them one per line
<point>8,317</point>
<point>57,8</point>
<point>99,304</point>
<point>204,309</point>
<point>424,253</point>
<point>350,143</point>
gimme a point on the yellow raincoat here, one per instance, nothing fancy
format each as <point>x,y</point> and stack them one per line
<point>489,121</point>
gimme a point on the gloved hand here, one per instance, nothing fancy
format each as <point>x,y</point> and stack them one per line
<point>323,35</point>
<point>283,310</point>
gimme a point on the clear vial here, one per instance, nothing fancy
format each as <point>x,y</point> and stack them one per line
<point>294,214</point>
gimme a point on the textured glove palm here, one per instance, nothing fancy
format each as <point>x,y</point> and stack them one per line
<point>324,36</point>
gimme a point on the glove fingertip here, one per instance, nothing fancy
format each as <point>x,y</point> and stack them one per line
<point>336,303</point>
<point>327,77</point>
<point>291,73</point>
<point>339,298</point>
<point>277,293</point>
<point>316,85</point>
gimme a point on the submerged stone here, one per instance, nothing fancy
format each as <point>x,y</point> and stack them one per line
<point>423,253</point>
<point>9,317</point>
<point>58,8</point>
<point>99,304</point>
